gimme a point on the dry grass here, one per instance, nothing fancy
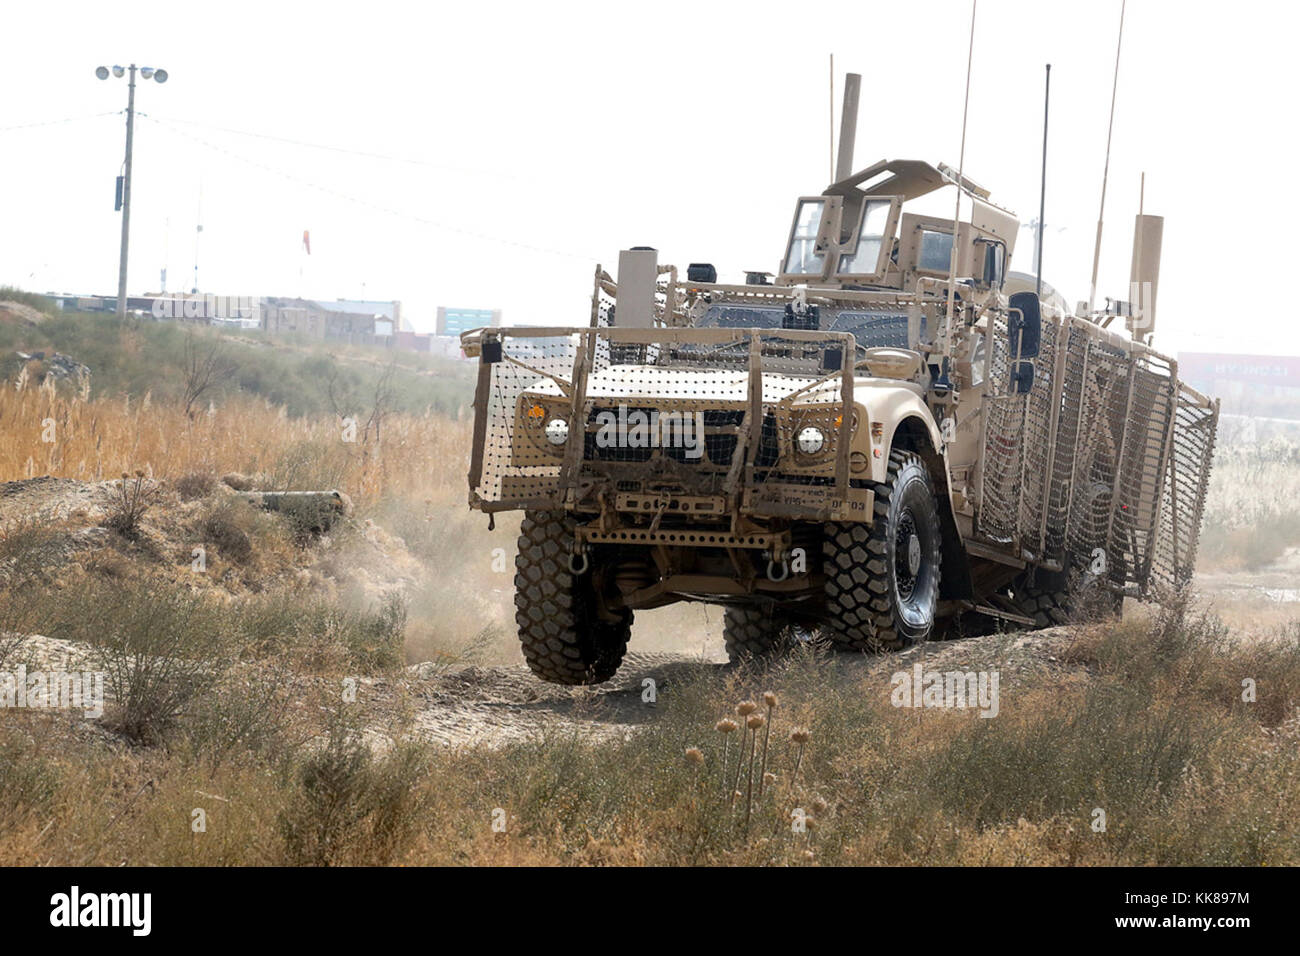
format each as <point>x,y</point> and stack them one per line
<point>48,432</point>
<point>1144,721</point>
<point>1252,511</point>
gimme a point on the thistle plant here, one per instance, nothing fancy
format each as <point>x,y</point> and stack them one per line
<point>753,722</point>
<point>770,700</point>
<point>744,709</point>
<point>725,727</point>
<point>695,757</point>
<point>799,736</point>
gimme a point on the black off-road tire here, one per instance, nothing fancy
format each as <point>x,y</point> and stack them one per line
<point>878,599</point>
<point>1047,607</point>
<point>752,633</point>
<point>1083,600</point>
<point>564,639</point>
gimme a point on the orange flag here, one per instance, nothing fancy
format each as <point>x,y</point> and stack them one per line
<point>306,241</point>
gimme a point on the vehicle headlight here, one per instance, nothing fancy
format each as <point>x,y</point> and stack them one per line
<point>810,440</point>
<point>557,431</point>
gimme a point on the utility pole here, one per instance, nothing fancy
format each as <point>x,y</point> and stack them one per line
<point>126,196</point>
<point>147,73</point>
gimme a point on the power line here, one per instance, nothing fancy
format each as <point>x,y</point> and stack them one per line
<point>68,119</point>
<point>367,154</point>
<point>397,213</point>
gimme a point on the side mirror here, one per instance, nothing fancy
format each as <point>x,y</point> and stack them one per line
<point>1025,326</point>
<point>1025,331</point>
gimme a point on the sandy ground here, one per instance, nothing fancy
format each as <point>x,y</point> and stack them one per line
<point>493,706</point>
<point>501,703</point>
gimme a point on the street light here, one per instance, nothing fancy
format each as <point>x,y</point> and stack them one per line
<point>159,76</point>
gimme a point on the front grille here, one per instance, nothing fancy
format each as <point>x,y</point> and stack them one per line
<point>719,438</point>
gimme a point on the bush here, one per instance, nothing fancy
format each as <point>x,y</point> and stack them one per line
<point>30,549</point>
<point>245,713</point>
<point>133,499</point>
<point>159,646</point>
<point>349,805</point>
<point>222,526</point>
<point>196,484</point>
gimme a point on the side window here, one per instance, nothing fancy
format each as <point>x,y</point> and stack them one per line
<point>978,363</point>
<point>871,236</point>
<point>995,255</point>
<point>936,251</point>
<point>803,259</point>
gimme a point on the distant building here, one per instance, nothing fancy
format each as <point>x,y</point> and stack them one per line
<point>452,322</point>
<point>1265,385</point>
<point>355,321</point>
<point>350,320</point>
<point>1214,371</point>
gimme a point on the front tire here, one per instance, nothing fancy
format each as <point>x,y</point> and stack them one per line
<point>882,580</point>
<point>563,636</point>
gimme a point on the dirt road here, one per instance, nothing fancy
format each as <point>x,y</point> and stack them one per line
<point>494,706</point>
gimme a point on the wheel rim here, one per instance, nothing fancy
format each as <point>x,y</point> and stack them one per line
<point>916,544</point>
<point>907,555</point>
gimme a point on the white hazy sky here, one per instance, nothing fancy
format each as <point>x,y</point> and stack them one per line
<point>532,140</point>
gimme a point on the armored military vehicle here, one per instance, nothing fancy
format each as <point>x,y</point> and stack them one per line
<point>889,438</point>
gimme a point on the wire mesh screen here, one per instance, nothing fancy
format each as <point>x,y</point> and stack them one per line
<point>1186,480</point>
<point>1124,458</point>
<point>518,461</point>
<point>1000,488</point>
<point>1135,513</point>
<point>1036,443</point>
<point>1099,416</point>
<point>701,411</point>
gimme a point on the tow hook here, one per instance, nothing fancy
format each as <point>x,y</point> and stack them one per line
<point>772,565</point>
<point>578,562</point>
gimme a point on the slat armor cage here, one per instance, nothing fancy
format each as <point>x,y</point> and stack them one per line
<point>1102,465</point>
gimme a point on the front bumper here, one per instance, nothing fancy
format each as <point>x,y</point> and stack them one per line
<point>768,385</point>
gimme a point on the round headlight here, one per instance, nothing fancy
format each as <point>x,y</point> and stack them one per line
<point>557,431</point>
<point>810,440</point>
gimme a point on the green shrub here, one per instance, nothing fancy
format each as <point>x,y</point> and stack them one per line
<point>348,802</point>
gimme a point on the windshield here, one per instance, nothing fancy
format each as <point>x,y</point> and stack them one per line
<point>871,236</point>
<point>870,327</point>
<point>936,251</point>
<point>802,258</point>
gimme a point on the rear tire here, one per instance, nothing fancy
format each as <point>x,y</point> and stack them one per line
<point>563,637</point>
<point>754,632</point>
<point>1083,600</point>
<point>882,580</point>
<point>1048,608</point>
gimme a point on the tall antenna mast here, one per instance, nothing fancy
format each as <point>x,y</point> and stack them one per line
<point>1042,196</point>
<point>831,159</point>
<point>1096,251</point>
<point>961,178</point>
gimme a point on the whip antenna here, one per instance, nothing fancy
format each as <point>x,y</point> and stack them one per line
<point>1096,251</point>
<point>961,178</point>
<point>831,125</point>
<point>1042,196</point>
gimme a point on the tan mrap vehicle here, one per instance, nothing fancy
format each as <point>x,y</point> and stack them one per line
<point>892,439</point>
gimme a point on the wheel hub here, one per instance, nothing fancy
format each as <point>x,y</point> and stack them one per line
<point>907,554</point>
